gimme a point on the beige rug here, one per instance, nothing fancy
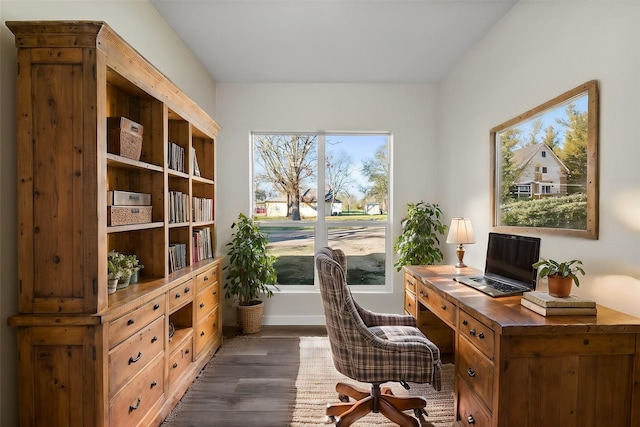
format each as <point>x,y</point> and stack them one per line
<point>317,378</point>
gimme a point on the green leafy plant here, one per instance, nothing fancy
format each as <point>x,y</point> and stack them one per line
<point>418,244</point>
<point>549,267</point>
<point>251,270</point>
<point>121,266</point>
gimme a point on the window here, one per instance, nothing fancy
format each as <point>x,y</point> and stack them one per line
<point>318,189</point>
<point>544,169</point>
<point>544,154</point>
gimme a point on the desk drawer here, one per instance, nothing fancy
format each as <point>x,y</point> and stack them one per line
<point>477,333</point>
<point>126,325</point>
<point>410,282</point>
<point>445,310</point>
<point>205,279</point>
<point>476,369</point>
<point>470,410</point>
<point>181,294</point>
<point>207,300</point>
<point>410,305</point>
<point>129,357</point>
<point>137,398</point>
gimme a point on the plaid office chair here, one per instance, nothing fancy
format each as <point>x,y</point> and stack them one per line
<point>373,348</point>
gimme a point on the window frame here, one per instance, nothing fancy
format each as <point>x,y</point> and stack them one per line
<point>320,224</point>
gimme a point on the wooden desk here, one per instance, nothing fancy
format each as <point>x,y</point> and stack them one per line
<point>517,368</point>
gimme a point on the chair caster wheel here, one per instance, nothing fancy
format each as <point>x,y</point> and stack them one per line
<point>343,398</point>
<point>419,413</point>
<point>331,420</point>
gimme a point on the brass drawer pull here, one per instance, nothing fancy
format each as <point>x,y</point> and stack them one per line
<point>471,420</point>
<point>471,372</point>
<point>132,360</point>
<point>137,405</point>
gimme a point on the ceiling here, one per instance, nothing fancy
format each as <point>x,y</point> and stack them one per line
<point>331,41</point>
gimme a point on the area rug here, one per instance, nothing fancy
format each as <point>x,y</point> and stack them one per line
<point>316,381</point>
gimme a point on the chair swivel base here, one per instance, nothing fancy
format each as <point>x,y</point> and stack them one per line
<point>377,400</point>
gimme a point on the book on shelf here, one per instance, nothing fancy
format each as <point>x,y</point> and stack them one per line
<point>177,256</point>
<point>201,247</point>
<point>175,157</point>
<point>559,311</point>
<point>543,299</point>
<point>196,168</point>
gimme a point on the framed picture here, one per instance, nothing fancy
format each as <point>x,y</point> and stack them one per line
<point>544,167</point>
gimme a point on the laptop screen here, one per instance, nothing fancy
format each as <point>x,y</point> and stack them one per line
<point>512,256</point>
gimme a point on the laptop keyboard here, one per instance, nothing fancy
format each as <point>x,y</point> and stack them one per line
<point>498,285</point>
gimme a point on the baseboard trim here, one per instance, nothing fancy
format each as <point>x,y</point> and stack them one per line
<point>293,320</point>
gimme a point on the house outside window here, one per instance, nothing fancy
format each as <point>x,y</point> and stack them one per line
<point>544,154</point>
<point>544,169</point>
<point>316,189</point>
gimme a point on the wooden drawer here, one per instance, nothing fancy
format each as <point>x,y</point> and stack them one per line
<point>477,333</point>
<point>410,282</point>
<point>124,326</point>
<point>205,279</point>
<point>181,294</point>
<point>410,305</point>
<point>180,359</point>
<point>207,300</point>
<point>129,357</point>
<point>476,369</point>
<point>445,310</point>
<point>139,396</point>
<point>206,330</point>
<point>470,410</point>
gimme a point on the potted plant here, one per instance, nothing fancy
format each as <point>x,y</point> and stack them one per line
<point>251,272</point>
<point>133,263</point>
<point>560,275</point>
<point>116,270</point>
<point>418,243</point>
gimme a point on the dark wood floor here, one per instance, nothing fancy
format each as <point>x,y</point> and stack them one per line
<point>247,389</point>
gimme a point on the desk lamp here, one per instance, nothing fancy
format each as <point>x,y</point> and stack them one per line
<point>460,233</point>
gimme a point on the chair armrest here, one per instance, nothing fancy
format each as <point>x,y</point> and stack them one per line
<point>377,319</point>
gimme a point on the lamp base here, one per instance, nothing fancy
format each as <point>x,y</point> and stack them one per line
<point>460,254</point>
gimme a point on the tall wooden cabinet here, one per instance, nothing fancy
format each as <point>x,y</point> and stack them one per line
<point>86,357</point>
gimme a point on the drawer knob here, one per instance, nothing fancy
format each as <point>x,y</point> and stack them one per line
<point>134,360</point>
<point>472,332</point>
<point>471,420</point>
<point>131,321</point>
<point>214,293</point>
<point>201,305</point>
<point>202,333</point>
<point>156,306</point>
<point>153,384</point>
<point>206,278</point>
<point>481,335</point>
<point>186,289</point>
<point>186,351</point>
<point>175,365</point>
<point>177,295</point>
<point>154,339</point>
<point>136,406</point>
<point>444,307</point>
<point>464,322</point>
<point>471,372</point>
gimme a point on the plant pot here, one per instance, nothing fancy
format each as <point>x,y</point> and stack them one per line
<point>560,287</point>
<point>112,286</point>
<point>134,278</point>
<point>250,317</point>
<point>124,282</point>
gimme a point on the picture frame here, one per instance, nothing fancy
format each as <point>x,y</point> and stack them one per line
<point>544,167</point>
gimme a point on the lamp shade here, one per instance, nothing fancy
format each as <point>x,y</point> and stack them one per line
<point>461,231</point>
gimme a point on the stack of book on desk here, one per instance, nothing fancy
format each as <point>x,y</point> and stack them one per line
<point>547,305</point>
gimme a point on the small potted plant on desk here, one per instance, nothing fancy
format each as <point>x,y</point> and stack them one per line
<point>251,272</point>
<point>561,275</point>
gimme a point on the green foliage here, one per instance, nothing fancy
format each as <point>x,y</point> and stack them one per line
<point>549,267</point>
<point>377,172</point>
<point>552,212</point>
<point>121,266</point>
<point>250,270</point>
<point>418,244</point>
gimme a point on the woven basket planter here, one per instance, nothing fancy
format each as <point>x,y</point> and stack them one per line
<point>250,317</point>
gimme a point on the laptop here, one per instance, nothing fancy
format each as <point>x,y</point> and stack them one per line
<point>508,267</point>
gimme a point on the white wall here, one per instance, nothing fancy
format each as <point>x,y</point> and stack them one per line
<point>538,51</point>
<point>408,111</point>
<point>137,22</point>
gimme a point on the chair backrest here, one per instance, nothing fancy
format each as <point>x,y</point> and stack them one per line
<point>340,312</point>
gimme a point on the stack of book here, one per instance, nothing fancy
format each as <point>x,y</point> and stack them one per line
<point>547,305</point>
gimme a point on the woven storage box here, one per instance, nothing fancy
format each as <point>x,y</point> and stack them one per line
<point>123,215</point>
<point>124,137</point>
